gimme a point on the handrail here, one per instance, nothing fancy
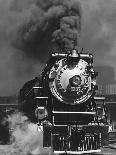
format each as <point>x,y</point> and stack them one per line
<point>99,98</point>
<point>73,112</point>
<point>35,87</point>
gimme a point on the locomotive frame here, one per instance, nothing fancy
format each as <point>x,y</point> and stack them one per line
<point>71,119</point>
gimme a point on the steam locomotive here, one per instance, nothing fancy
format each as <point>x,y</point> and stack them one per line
<point>62,101</point>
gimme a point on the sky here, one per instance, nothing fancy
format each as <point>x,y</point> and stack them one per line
<point>99,30</point>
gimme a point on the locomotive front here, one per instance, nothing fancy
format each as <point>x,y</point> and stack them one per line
<point>72,78</point>
<point>63,101</point>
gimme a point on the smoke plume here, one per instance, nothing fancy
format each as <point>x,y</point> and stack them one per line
<point>29,31</point>
<point>53,25</point>
<point>99,30</point>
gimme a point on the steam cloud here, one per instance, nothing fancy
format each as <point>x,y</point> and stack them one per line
<point>99,30</point>
<point>29,31</point>
<point>27,139</point>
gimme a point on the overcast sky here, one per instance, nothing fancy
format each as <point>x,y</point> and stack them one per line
<point>99,30</point>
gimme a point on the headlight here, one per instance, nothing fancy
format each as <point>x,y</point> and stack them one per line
<point>75,80</point>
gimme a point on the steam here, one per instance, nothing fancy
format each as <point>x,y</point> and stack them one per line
<point>26,138</point>
<point>29,31</point>
<point>99,30</point>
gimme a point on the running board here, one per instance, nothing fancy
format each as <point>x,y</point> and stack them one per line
<point>77,152</point>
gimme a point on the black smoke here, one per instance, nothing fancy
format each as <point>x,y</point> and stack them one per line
<point>53,25</point>
<point>29,31</point>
